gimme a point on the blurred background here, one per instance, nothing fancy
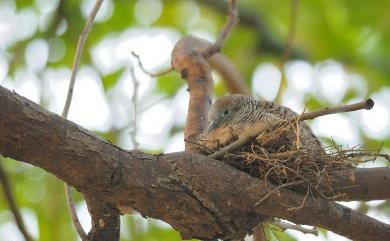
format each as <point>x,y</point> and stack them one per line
<point>340,54</point>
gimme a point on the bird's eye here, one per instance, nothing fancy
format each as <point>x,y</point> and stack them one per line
<point>226,112</point>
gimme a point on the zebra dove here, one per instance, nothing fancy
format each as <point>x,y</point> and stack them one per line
<point>233,115</point>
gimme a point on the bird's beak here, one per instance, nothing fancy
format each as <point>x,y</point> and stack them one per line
<point>212,126</point>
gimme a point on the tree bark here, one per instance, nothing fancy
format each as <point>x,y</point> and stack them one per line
<point>199,196</point>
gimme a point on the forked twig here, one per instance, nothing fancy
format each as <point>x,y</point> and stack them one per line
<point>76,62</point>
<point>246,138</point>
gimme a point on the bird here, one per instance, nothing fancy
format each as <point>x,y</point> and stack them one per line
<point>235,115</point>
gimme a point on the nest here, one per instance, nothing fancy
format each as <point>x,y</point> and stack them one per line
<point>282,161</point>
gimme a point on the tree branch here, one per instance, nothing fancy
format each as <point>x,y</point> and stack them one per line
<point>187,59</point>
<point>76,62</point>
<point>105,220</point>
<point>363,105</point>
<point>362,184</point>
<point>12,204</point>
<point>199,196</point>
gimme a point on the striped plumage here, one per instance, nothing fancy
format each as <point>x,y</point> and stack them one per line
<point>233,115</point>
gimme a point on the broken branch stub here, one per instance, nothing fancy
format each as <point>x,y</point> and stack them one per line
<point>188,60</point>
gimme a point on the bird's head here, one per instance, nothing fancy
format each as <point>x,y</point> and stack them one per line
<point>224,109</point>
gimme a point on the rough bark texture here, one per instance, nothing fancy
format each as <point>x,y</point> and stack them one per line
<point>199,196</point>
<point>105,220</point>
<point>363,184</point>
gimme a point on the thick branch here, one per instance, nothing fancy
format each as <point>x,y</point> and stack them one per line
<point>362,184</point>
<point>187,59</point>
<point>105,220</point>
<point>197,195</point>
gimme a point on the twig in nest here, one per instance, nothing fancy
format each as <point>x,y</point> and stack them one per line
<point>284,226</point>
<point>274,191</point>
<point>297,129</point>
<point>302,203</point>
<point>163,72</point>
<point>79,50</point>
<point>203,147</point>
<point>12,204</point>
<point>233,146</point>
<point>311,170</point>
<point>246,138</point>
<point>229,25</point>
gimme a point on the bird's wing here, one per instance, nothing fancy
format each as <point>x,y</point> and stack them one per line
<point>285,113</point>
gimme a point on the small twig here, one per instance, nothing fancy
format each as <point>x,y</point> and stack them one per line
<point>246,138</point>
<point>229,25</point>
<point>163,72</point>
<point>274,191</point>
<point>12,204</point>
<point>133,132</point>
<point>195,143</point>
<point>233,146</point>
<point>291,209</point>
<point>79,50</point>
<point>284,226</point>
<point>364,105</point>
<point>76,62</point>
<point>298,129</point>
<point>73,214</point>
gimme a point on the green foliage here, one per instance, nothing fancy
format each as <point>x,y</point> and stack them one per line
<point>169,84</point>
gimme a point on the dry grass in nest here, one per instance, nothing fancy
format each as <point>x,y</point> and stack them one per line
<point>298,170</point>
<point>301,169</point>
